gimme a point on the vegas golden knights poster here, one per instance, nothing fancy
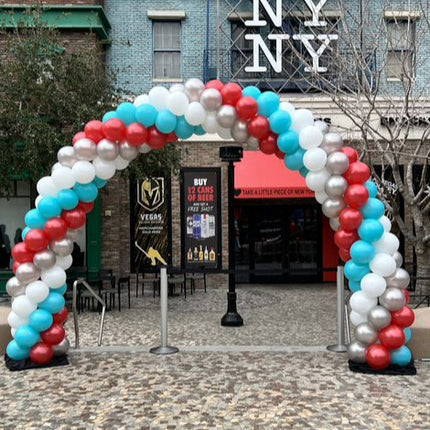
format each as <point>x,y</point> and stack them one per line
<point>150,223</point>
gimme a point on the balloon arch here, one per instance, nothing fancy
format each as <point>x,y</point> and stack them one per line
<point>341,183</point>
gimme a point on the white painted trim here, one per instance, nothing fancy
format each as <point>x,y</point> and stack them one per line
<point>165,14</point>
<point>239,16</point>
<point>167,80</point>
<point>402,14</point>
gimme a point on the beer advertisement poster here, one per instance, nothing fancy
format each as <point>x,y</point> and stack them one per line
<point>150,202</point>
<point>201,222</point>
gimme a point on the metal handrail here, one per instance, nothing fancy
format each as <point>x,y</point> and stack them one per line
<point>75,313</point>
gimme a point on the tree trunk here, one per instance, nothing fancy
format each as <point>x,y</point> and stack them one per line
<point>423,271</point>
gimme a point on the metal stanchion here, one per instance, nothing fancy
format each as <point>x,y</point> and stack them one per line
<point>164,348</point>
<point>340,346</point>
<point>348,328</point>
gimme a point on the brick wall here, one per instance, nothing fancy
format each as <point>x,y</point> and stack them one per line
<point>53,2</point>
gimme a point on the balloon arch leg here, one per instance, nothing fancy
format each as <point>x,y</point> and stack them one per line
<point>341,183</point>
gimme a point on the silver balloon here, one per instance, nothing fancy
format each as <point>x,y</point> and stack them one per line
<point>14,287</point>
<point>379,317</point>
<point>62,247</point>
<point>128,152</point>
<point>336,186</point>
<point>366,334</point>
<point>44,259</point>
<point>211,99</point>
<point>177,87</point>
<point>357,352</point>
<point>337,163</point>
<point>398,258</point>
<point>393,299</point>
<point>252,142</point>
<point>72,234</point>
<point>27,272</point>
<point>322,125</point>
<point>194,88</point>
<point>239,131</point>
<point>85,149</point>
<point>399,279</point>
<point>107,150</point>
<point>334,224</point>
<point>226,116</point>
<point>62,348</point>
<point>66,156</point>
<point>331,142</point>
<point>333,206</point>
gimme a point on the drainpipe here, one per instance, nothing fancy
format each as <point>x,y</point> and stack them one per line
<point>206,72</point>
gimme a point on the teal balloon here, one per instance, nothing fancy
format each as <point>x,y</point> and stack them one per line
<point>295,161</point>
<point>146,115</point>
<point>355,272</point>
<point>408,334</point>
<point>288,142</point>
<point>68,199</point>
<point>251,91</point>
<point>126,112</point>
<point>109,115</point>
<point>62,290</point>
<point>166,121</point>
<point>280,121</point>
<point>15,352</point>
<point>402,356</point>
<point>304,171</point>
<point>370,230</point>
<point>99,183</point>
<point>24,232</point>
<point>374,208</point>
<point>268,103</point>
<point>362,252</point>
<point>53,303</point>
<point>354,286</point>
<point>86,192</point>
<point>40,320</point>
<point>26,337</point>
<point>183,130</point>
<point>372,188</point>
<point>49,207</point>
<point>34,219</point>
<point>199,130</point>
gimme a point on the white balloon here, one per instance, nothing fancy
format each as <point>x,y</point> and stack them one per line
<point>141,100</point>
<point>84,172</point>
<point>46,187</point>
<point>388,244</point>
<point>357,318</point>
<point>64,262</point>
<point>361,303</point>
<point>287,107</point>
<point>12,332</point>
<point>37,201</point>
<point>316,180</point>
<point>373,285</point>
<point>56,166</point>
<point>120,163</point>
<point>195,113</point>
<point>386,223</point>
<point>63,177</point>
<point>144,149</point>
<point>54,277</point>
<point>321,196</point>
<point>177,102</point>
<point>15,321</point>
<point>383,265</point>
<point>210,124</point>
<point>104,169</point>
<point>310,137</point>
<point>177,87</point>
<point>158,97</point>
<point>315,159</point>
<point>37,291</point>
<point>23,307</point>
<point>301,118</point>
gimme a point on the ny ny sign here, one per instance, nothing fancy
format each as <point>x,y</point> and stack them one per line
<point>259,45</point>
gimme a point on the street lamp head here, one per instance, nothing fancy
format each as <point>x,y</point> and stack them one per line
<point>231,153</point>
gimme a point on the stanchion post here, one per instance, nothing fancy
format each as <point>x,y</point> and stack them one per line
<point>164,348</point>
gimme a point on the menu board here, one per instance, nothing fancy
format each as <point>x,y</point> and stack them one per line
<point>150,202</point>
<point>201,218</point>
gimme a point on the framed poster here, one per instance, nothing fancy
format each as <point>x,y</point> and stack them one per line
<point>150,223</point>
<point>201,218</point>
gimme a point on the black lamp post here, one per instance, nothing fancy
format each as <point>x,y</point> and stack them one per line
<point>231,154</point>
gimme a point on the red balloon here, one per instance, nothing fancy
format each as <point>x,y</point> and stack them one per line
<point>15,266</point>
<point>279,153</point>
<point>218,85</point>
<point>75,218</point>
<point>378,357</point>
<point>61,317</point>
<point>407,295</point>
<point>231,93</point>
<point>41,353</point>
<point>171,137</point>
<point>268,145</point>
<point>344,238</point>
<point>79,136</point>
<point>259,127</point>
<point>114,129</point>
<point>56,228</point>
<point>21,253</point>
<point>136,134</point>
<point>350,219</point>
<point>157,140</point>
<point>392,337</point>
<point>404,317</point>
<point>246,108</point>
<point>94,131</point>
<point>344,254</point>
<point>356,196</point>
<point>54,335</point>
<point>86,207</point>
<point>36,240</point>
<point>351,153</point>
<point>357,173</point>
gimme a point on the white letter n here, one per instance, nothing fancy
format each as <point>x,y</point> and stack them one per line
<point>257,22</point>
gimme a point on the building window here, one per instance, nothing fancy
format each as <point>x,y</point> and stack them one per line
<point>241,51</point>
<point>400,49</point>
<point>167,49</point>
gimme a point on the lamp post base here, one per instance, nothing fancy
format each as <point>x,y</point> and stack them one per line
<point>337,348</point>
<point>231,317</point>
<point>162,350</point>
